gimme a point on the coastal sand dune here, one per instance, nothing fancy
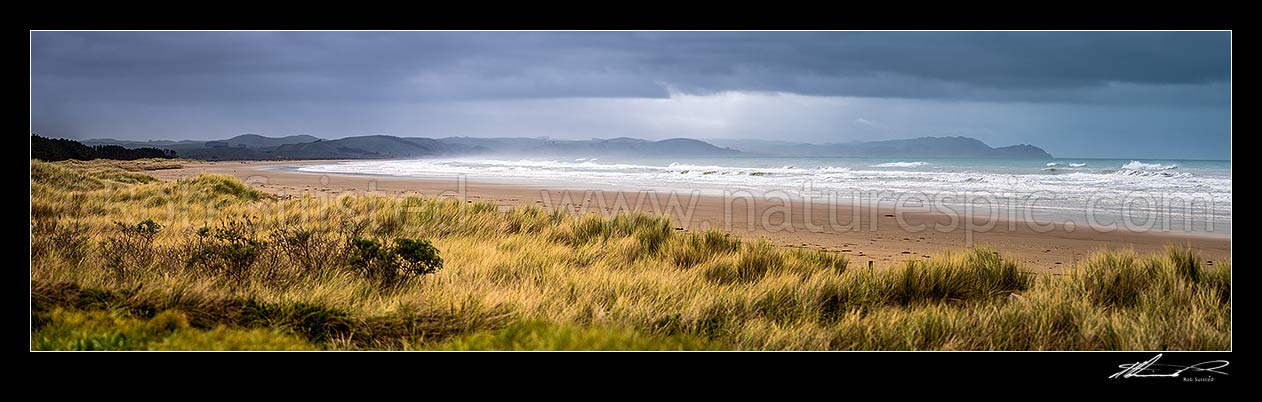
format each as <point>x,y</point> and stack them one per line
<point>879,235</point>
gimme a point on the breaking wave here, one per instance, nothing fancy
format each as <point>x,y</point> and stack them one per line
<point>900,164</point>
<point>1137,165</point>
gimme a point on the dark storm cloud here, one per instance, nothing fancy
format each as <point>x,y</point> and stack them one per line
<point>1122,94</point>
<point>1093,67</point>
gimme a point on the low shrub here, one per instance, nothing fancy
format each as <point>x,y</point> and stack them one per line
<point>227,250</point>
<point>130,247</point>
<point>391,264</point>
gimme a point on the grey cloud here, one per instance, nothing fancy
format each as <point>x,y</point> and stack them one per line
<point>423,66</point>
<point>1076,93</point>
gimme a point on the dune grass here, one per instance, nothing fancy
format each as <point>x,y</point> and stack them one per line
<point>169,330</point>
<point>544,336</point>
<point>119,261</point>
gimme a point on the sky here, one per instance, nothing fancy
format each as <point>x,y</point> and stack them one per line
<point>1074,94</point>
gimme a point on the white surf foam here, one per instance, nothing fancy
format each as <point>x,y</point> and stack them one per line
<point>1072,186</point>
<point>1137,165</point>
<point>900,164</point>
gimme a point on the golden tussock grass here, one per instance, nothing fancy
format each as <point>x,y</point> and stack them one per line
<point>116,254</point>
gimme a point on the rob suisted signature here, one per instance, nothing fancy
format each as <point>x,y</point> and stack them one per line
<point>1151,368</point>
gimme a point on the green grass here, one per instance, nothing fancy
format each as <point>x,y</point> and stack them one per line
<point>545,336</point>
<point>227,267</point>
<point>169,330</point>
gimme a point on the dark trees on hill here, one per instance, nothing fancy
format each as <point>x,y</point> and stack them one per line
<point>56,149</point>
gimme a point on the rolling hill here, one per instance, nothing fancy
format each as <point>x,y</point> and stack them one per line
<point>258,147</point>
<point>929,147</point>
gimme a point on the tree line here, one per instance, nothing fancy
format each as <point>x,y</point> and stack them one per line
<point>58,149</point>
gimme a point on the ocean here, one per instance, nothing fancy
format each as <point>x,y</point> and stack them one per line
<point>1146,194</point>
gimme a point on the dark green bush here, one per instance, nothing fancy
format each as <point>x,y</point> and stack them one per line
<point>393,264</point>
<point>372,260</point>
<point>418,256</point>
<point>228,250</point>
<point>131,247</point>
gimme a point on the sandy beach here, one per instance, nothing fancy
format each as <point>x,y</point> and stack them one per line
<point>882,236</point>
